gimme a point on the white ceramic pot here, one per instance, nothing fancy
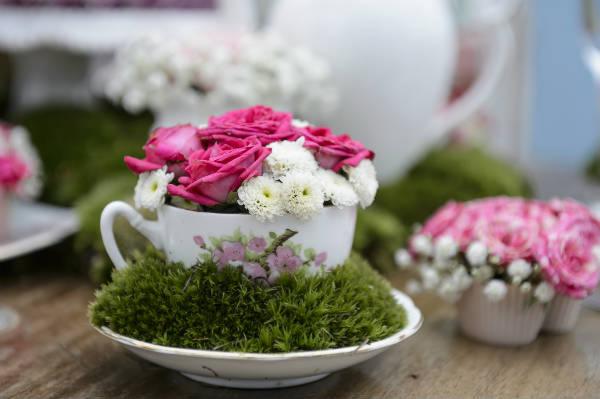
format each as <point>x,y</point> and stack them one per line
<point>393,65</point>
<point>562,314</point>
<point>509,322</point>
<point>187,235</point>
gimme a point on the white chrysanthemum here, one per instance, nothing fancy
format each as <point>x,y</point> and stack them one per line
<point>413,287</point>
<point>429,276</point>
<point>302,194</point>
<point>445,248</point>
<point>483,273</point>
<point>495,290</point>
<point>403,258</point>
<point>261,196</point>
<point>543,292</point>
<point>525,287</point>
<point>461,278</point>
<point>449,291</point>
<point>476,253</point>
<point>290,156</point>
<point>519,270</point>
<point>337,189</point>
<point>364,180</point>
<point>151,188</point>
<point>422,245</point>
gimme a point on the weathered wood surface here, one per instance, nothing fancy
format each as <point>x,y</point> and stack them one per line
<point>60,356</point>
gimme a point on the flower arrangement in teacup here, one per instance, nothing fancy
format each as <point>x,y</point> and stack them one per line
<point>207,73</point>
<point>264,190</point>
<point>20,166</point>
<point>502,248</point>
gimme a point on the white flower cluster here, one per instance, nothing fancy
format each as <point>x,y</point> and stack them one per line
<point>230,72</point>
<point>16,141</point>
<point>443,268</point>
<point>151,189</point>
<point>293,183</point>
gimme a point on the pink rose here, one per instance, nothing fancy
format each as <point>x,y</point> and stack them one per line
<point>12,171</point>
<point>214,172</point>
<point>566,257</point>
<point>568,206</point>
<point>442,220</point>
<point>167,146</point>
<point>505,227</point>
<point>333,152</point>
<point>259,121</point>
<point>455,220</point>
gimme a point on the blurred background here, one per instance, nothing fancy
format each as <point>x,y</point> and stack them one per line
<point>460,99</point>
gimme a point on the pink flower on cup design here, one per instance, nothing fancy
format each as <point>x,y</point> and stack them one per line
<point>320,258</point>
<point>254,270</point>
<point>257,244</point>
<point>248,253</point>
<point>169,146</point>
<point>229,252</point>
<point>284,260</point>
<point>199,240</point>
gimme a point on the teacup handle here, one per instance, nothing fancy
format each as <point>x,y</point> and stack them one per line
<point>149,229</point>
<point>459,110</point>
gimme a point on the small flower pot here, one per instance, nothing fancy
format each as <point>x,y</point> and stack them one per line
<point>562,314</point>
<point>509,322</point>
<point>186,236</point>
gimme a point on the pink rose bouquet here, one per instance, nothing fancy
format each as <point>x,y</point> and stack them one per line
<point>254,160</point>
<point>19,164</point>
<point>542,247</point>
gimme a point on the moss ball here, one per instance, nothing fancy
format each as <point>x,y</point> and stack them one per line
<point>79,147</point>
<point>201,308</point>
<point>457,173</point>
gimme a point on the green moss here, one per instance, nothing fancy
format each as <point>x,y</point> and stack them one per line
<point>378,235</point>
<point>452,173</point>
<point>151,301</point>
<point>78,146</point>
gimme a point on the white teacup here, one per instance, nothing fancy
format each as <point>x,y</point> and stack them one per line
<point>185,235</point>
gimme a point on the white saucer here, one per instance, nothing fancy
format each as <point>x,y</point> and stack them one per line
<point>264,371</point>
<point>33,226</point>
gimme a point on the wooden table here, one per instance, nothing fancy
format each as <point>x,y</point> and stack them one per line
<point>60,356</point>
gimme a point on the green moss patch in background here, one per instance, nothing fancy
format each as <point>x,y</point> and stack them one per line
<point>80,147</point>
<point>458,173</point>
<point>167,304</point>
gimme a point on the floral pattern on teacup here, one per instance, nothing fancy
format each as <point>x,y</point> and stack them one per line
<point>261,258</point>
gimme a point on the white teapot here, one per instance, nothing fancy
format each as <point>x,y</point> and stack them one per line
<point>393,62</point>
